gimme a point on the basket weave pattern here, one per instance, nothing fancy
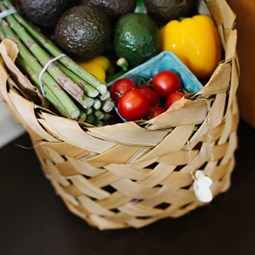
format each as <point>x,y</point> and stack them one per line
<point>130,175</point>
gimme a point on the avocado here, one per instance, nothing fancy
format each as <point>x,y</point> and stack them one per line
<point>113,8</point>
<point>136,38</point>
<point>83,31</point>
<point>44,13</point>
<point>166,10</point>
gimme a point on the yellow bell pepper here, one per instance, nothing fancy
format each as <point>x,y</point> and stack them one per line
<point>97,66</point>
<point>195,40</point>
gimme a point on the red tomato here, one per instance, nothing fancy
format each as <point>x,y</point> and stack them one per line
<point>166,82</point>
<point>177,95</point>
<point>155,111</point>
<point>150,93</point>
<point>120,87</point>
<point>134,105</point>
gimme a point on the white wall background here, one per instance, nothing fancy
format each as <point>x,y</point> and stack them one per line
<point>9,129</point>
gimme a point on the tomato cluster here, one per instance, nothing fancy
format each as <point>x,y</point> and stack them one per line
<point>146,100</point>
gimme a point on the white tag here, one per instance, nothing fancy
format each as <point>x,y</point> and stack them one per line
<point>202,186</point>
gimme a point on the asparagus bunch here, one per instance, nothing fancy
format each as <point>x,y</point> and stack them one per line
<point>73,91</point>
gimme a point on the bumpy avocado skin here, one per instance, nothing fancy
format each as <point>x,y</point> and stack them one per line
<point>165,10</point>
<point>44,13</point>
<point>114,8</point>
<point>83,31</point>
<point>136,38</point>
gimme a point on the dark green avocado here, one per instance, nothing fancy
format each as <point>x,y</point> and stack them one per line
<point>136,38</point>
<point>83,31</point>
<point>166,10</point>
<point>113,8</point>
<point>44,13</point>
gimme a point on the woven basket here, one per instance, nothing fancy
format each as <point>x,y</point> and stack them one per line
<point>130,174</point>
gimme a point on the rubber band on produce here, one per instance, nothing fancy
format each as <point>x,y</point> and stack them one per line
<point>6,13</point>
<point>44,70</point>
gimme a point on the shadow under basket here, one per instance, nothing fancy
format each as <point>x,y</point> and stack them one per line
<point>133,174</point>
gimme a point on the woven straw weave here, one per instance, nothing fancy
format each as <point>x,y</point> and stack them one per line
<point>130,175</point>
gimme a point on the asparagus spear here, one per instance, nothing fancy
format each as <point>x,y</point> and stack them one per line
<point>54,51</point>
<point>82,117</point>
<point>53,97</point>
<point>31,37</point>
<point>53,101</point>
<point>73,89</point>
<point>107,105</point>
<point>33,70</point>
<point>90,91</point>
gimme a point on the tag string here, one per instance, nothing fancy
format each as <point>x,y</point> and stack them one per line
<point>190,161</point>
<point>6,13</point>
<point>209,140</point>
<point>45,69</point>
<point>203,182</point>
<point>209,133</point>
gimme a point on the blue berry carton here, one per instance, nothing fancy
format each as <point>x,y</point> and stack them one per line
<point>165,60</point>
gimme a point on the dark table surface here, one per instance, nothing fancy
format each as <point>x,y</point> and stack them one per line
<point>33,220</point>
